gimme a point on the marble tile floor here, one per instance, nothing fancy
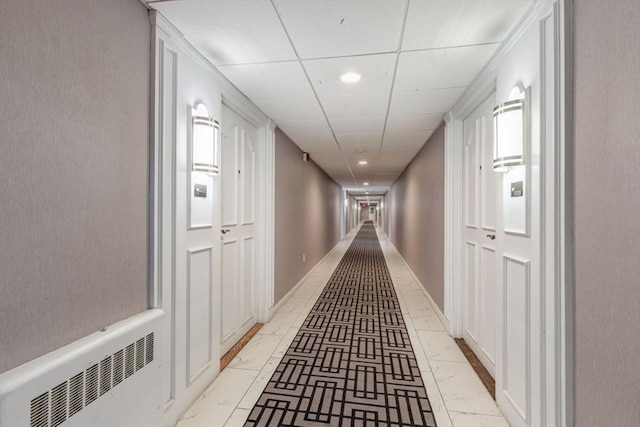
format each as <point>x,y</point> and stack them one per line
<point>458,397</point>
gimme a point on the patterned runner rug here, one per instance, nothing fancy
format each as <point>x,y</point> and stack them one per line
<point>351,363</point>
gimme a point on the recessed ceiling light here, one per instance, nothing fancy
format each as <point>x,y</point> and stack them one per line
<point>367,192</point>
<point>365,183</point>
<point>350,77</point>
<point>362,162</point>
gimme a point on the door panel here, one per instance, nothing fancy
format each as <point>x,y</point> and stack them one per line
<point>488,303</point>
<point>199,311</point>
<point>238,201</point>
<point>229,288</point>
<point>481,281</point>
<point>229,171</point>
<point>516,344</point>
<point>487,177</point>
<point>471,167</point>
<point>471,293</point>
<point>248,181</point>
<point>248,298</point>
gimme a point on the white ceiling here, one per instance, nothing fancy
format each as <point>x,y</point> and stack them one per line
<point>416,58</point>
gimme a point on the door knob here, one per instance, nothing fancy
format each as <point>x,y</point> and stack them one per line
<point>225,231</point>
<point>491,236</point>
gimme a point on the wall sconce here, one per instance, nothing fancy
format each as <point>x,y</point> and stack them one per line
<point>205,142</point>
<point>509,132</point>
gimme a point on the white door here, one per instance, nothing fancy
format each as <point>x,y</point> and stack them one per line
<point>238,310</point>
<point>481,240</point>
<point>189,271</point>
<point>520,351</point>
<point>502,269</point>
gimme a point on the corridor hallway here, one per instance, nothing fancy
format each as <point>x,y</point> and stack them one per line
<point>336,353</point>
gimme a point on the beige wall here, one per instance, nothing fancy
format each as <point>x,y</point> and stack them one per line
<point>415,207</point>
<point>307,215</point>
<point>607,213</point>
<point>74,85</point>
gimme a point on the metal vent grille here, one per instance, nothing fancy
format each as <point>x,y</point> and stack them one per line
<point>40,411</point>
<point>140,354</point>
<point>118,367</point>
<point>59,404</point>
<point>129,359</point>
<point>91,385</point>
<point>105,375</point>
<point>53,407</point>
<point>76,386</point>
<point>149,348</point>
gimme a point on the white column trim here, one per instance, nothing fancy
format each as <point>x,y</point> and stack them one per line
<point>453,280</point>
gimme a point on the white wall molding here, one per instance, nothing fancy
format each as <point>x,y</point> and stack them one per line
<point>564,213</point>
<point>453,181</point>
<point>265,215</point>
<point>233,98</point>
<point>482,85</point>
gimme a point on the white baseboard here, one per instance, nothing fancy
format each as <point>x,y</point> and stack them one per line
<point>439,312</point>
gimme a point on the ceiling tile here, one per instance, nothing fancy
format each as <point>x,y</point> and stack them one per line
<point>424,101</point>
<point>376,72</point>
<point>441,68</point>
<point>405,138</point>
<point>304,132</point>
<point>372,125</point>
<point>230,32</point>
<point>415,122</point>
<point>291,108</point>
<point>368,141</point>
<point>365,105</point>
<point>447,23</point>
<point>400,148</point>
<point>278,80</point>
<point>365,151</point>
<point>320,28</point>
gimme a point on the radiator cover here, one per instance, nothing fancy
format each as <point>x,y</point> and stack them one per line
<point>112,378</point>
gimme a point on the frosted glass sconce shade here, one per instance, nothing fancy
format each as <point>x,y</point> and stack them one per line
<point>205,141</point>
<point>509,134</point>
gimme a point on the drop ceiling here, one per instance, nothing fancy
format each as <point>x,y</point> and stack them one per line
<point>416,59</point>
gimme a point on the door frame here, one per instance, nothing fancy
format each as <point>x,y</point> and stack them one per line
<point>556,203</point>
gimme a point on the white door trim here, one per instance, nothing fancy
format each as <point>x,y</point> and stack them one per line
<point>556,238</point>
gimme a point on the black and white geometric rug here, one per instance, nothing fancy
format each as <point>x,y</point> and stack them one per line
<point>351,363</point>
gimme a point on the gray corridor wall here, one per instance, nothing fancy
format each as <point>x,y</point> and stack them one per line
<point>415,206</point>
<point>74,84</point>
<point>606,207</point>
<point>307,215</point>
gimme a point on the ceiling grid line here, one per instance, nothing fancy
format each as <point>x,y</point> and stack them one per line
<point>393,83</point>
<point>324,113</point>
<point>416,59</point>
